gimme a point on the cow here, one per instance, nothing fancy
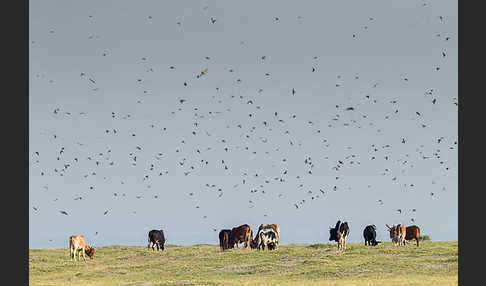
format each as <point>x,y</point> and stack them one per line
<point>369,234</point>
<point>77,244</point>
<point>156,238</point>
<point>224,238</point>
<point>339,234</point>
<point>242,233</point>
<point>267,237</point>
<point>412,232</point>
<point>397,234</point>
<point>273,226</point>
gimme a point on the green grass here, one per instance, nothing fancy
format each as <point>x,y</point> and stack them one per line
<point>434,263</point>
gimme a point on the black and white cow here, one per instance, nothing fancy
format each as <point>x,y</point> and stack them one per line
<point>268,238</point>
<point>369,234</point>
<point>156,238</point>
<point>339,234</point>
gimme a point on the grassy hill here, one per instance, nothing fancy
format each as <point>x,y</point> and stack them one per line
<point>434,263</point>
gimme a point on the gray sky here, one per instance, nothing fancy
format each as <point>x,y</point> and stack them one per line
<point>98,66</point>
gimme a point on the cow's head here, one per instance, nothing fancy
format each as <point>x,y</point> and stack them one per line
<point>272,246</point>
<point>90,251</point>
<point>253,244</point>
<point>333,234</point>
<point>375,243</point>
<point>391,229</point>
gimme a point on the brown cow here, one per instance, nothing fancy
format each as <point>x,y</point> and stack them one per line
<point>273,226</point>
<point>413,232</point>
<point>78,243</point>
<point>397,233</point>
<point>242,233</point>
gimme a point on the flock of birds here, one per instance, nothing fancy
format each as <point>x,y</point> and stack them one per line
<point>255,135</point>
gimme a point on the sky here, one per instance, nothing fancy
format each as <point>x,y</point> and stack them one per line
<point>197,116</point>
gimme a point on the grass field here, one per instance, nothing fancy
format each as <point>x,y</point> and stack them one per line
<point>434,263</point>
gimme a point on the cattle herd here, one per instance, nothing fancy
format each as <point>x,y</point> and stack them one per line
<point>266,236</point>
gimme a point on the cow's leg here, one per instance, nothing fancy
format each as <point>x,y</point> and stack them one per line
<point>148,245</point>
<point>84,257</point>
<point>71,253</point>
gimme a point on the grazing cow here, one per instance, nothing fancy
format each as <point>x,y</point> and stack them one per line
<point>242,233</point>
<point>267,237</point>
<point>369,234</point>
<point>339,234</point>
<point>156,238</point>
<point>412,232</point>
<point>273,226</point>
<point>224,238</point>
<point>397,234</point>
<point>77,244</point>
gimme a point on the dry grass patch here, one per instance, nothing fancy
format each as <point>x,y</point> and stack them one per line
<point>434,263</point>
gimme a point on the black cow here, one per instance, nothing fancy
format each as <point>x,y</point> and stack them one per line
<point>369,234</point>
<point>339,234</point>
<point>156,238</point>
<point>224,235</point>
